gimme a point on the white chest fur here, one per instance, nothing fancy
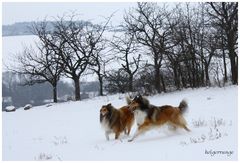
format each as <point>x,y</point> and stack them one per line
<point>105,125</point>
<point>140,116</point>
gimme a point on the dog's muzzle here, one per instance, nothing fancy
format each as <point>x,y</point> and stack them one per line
<point>103,114</point>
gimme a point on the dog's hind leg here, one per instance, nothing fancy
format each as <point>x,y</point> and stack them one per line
<point>183,123</point>
<point>187,129</point>
<point>172,126</point>
<point>180,122</point>
<point>141,129</point>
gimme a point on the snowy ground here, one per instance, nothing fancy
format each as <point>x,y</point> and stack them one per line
<point>71,131</point>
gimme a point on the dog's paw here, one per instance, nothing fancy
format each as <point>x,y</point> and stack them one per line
<point>130,140</point>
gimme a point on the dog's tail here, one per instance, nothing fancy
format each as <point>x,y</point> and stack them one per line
<point>183,106</point>
<point>128,100</point>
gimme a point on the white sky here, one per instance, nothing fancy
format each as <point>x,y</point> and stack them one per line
<point>95,11</point>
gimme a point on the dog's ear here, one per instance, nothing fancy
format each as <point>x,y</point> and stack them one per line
<point>128,100</point>
<point>137,97</point>
<point>109,104</point>
<point>140,97</point>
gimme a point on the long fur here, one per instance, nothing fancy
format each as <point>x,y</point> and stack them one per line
<point>156,116</point>
<point>116,120</point>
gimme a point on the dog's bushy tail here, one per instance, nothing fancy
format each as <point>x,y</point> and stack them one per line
<point>183,106</point>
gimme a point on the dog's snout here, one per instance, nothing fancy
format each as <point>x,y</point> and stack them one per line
<point>103,111</point>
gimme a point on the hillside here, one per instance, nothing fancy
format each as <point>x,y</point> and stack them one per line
<point>71,131</point>
<point>24,28</point>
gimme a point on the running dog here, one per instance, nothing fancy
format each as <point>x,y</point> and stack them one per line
<point>116,120</point>
<point>149,116</point>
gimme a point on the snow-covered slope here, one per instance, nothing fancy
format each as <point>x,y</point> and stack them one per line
<point>71,131</point>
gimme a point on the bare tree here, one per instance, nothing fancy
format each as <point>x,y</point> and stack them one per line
<point>147,23</point>
<point>73,43</point>
<point>195,45</point>
<point>39,67</point>
<point>225,15</point>
<point>100,57</point>
<point>127,49</point>
<point>98,63</point>
<point>77,49</point>
<point>116,81</point>
<point>145,80</point>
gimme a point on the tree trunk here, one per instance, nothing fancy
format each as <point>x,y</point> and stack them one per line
<point>55,93</point>
<point>130,86</point>
<point>234,71</point>
<point>233,58</point>
<point>233,61</point>
<point>77,89</point>
<point>182,77</point>
<point>193,74</point>
<point>157,79</point>
<point>224,65</point>
<point>176,77</point>
<point>202,74</point>
<point>163,83</point>
<point>100,85</point>
<point>224,57</point>
<point>207,75</point>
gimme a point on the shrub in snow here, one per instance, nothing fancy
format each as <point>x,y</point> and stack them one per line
<point>43,157</point>
<point>10,109</point>
<point>27,107</point>
<point>215,122</point>
<point>199,123</point>
<point>198,139</point>
<point>60,140</point>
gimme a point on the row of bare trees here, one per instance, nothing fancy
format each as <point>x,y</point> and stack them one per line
<point>186,41</point>
<point>160,48</point>
<point>67,50</point>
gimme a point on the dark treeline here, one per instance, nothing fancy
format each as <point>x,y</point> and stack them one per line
<point>160,49</point>
<point>14,93</point>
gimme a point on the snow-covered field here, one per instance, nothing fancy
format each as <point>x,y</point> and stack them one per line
<point>71,131</point>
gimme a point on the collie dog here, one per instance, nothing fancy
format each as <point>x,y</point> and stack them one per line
<point>116,120</point>
<point>149,116</point>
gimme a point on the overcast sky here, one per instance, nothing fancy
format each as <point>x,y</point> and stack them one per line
<point>27,11</point>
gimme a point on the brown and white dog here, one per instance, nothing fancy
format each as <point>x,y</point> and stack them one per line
<point>149,116</point>
<point>116,120</point>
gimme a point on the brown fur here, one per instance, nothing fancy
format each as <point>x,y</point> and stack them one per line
<point>116,120</point>
<point>158,116</point>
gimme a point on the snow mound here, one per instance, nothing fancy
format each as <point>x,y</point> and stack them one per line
<point>10,108</point>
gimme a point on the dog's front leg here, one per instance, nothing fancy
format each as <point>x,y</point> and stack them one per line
<point>134,136</point>
<point>141,129</point>
<point>107,135</point>
<point>117,135</point>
